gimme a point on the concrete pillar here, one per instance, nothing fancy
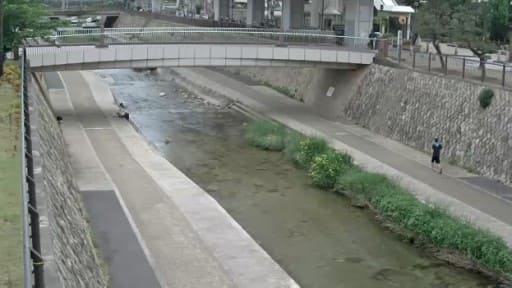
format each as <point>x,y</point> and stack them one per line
<point>221,9</point>
<point>292,16</point>
<point>316,9</point>
<point>156,6</point>
<point>358,17</point>
<point>255,12</point>
<point>408,35</point>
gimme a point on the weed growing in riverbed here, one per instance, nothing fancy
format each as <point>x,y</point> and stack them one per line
<point>292,144</point>
<point>266,135</point>
<point>308,149</point>
<point>327,166</point>
<point>432,224</point>
<point>331,169</point>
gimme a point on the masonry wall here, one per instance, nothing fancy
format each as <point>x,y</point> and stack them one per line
<point>414,108</point>
<point>67,246</point>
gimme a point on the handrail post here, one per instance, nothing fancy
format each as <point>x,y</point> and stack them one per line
<point>503,75</point>
<point>446,65</point>
<point>482,66</point>
<point>429,61</point>
<point>413,59</point>
<point>463,67</point>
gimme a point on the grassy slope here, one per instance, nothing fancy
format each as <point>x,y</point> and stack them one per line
<point>10,198</point>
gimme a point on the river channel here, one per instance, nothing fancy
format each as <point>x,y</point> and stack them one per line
<point>315,235</point>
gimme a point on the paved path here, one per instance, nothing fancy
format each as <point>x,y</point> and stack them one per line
<point>128,267</point>
<point>479,200</point>
<point>189,240</point>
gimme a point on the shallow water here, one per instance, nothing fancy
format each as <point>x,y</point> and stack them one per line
<point>315,235</point>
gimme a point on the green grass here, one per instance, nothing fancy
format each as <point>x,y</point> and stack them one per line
<point>265,134</point>
<point>10,197</point>
<point>431,225</point>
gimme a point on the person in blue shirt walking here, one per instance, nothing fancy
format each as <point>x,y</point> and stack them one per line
<point>436,155</point>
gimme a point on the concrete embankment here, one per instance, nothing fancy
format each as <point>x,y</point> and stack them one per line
<point>70,258</point>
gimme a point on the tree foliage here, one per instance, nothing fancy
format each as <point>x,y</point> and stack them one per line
<point>22,19</point>
<point>463,22</point>
<point>498,19</point>
<point>468,28</point>
<point>432,22</point>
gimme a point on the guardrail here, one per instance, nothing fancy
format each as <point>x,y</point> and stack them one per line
<point>159,35</point>
<point>32,259</point>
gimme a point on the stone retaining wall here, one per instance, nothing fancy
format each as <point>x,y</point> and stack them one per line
<point>414,107</point>
<point>67,246</point>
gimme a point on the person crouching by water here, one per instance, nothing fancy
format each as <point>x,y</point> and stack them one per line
<point>436,155</point>
<point>122,113</point>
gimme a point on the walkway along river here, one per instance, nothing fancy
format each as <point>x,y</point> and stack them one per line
<point>316,236</point>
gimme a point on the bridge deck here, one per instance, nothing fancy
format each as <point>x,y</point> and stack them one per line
<point>187,55</point>
<point>140,47</point>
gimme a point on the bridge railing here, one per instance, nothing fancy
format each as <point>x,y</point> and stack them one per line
<point>157,35</point>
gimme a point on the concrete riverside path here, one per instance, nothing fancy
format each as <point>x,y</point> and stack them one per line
<point>175,234</point>
<point>481,201</point>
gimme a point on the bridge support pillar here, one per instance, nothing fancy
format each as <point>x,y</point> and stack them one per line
<point>316,9</point>
<point>221,9</point>
<point>156,6</point>
<point>358,17</point>
<point>255,12</point>
<point>293,14</point>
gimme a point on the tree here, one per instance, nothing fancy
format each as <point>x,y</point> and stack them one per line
<point>432,21</point>
<point>468,28</point>
<point>22,19</point>
<point>460,21</point>
<point>498,19</point>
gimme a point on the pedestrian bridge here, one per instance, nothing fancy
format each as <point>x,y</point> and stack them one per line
<point>87,49</point>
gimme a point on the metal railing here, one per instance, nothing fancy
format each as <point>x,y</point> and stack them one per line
<point>32,259</point>
<point>159,35</point>
<point>465,67</point>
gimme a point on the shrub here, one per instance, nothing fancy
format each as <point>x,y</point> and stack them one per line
<point>266,134</point>
<point>308,149</point>
<point>485,97</point>
<point>11,75</point>
<point>326,167</point>
<point>292,144</point>
<point>358,181</point>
